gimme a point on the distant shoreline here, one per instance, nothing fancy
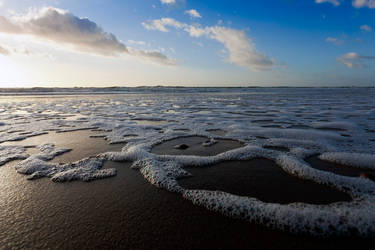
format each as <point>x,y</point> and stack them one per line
<point>146,89</point>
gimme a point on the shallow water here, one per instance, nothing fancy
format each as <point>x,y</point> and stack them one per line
<point>195,146</point>
<point>151,122</point>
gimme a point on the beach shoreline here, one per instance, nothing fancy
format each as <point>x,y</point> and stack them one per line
<point>200,153</point>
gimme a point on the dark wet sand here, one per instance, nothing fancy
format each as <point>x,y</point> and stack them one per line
<point>80,141</point>
<point>195,146</point>
<point>262,179</point>
<point>335,168</point>
<point>277,148</point>
<point>127,212</point>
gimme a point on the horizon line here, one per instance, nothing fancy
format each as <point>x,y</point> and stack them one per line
<point>174,86</point>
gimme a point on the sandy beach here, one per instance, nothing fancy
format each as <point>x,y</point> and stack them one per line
<point>128,212</point>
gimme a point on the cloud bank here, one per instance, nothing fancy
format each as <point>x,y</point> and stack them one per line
<point>364,3</point>
<point>354,60</point>
<point>241,49</point>
<point>334,2</point>
<point>64,28</point>
<point>356,3</point>
<point>168,1</point>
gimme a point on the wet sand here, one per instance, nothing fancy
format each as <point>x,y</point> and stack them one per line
<point>195,146</point>
<point>79,141</point>
<point>128,212</point>
<point>278,148</point>
<point>335,168</point>
<point>262,179</point>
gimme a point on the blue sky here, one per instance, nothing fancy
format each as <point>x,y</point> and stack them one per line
<point>187,42</point>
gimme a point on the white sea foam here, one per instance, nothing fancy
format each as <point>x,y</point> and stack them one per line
<point>38,166</point>
<point>287,118</point>
<point>86,170</point>
<point>10,153</point>
<point>356,218</point>
<point>365,161</point>
<point>162,174</point>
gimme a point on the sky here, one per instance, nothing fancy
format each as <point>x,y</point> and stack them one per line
<point>100,43</point>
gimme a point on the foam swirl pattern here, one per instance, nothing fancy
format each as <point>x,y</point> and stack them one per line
<point>336,124</point>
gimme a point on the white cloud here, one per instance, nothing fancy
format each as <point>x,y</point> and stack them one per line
<point>161,24</point>
<point>174,3</point>
<point>197,31</point>
<point>241,49</point>
<point>356,3</point>
<point>364,3</point>
<point>137,42</point>
<point>4,51</point>
<point>1,3</point>
<point>354,60</point>
<point>365,28</point>
<point>334,2</point>
<point>153,56</point>
<point>168,1</point>
<point>155,25</point>
<point>193,13</point>
<point>64,28</point>
<point>334,40</point>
